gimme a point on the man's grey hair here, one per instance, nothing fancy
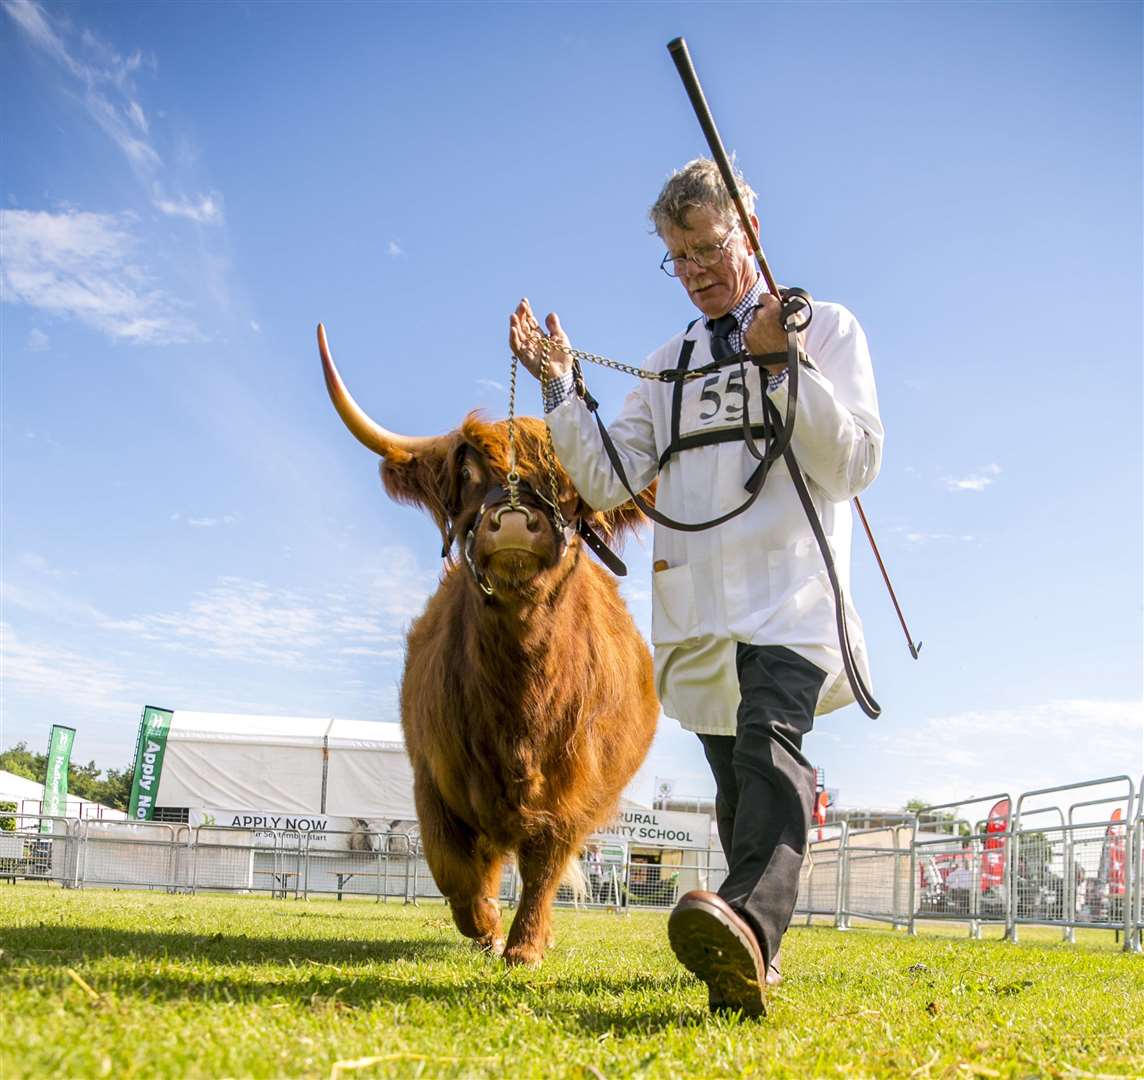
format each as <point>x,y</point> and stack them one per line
<point>698,183</point>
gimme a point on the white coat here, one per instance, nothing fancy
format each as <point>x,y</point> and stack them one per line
<point>760,577</point>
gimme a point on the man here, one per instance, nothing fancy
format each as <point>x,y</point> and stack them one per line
<point>743,623</point>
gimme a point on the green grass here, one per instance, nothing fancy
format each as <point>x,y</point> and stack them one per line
<point>210,986</point>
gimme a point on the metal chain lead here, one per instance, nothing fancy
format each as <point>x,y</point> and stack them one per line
<point>549,451</point>
<point>671,375</point>
<point>546,346</point>
<point>513,477</point>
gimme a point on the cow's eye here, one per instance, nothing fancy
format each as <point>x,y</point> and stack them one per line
<point>466,474</point>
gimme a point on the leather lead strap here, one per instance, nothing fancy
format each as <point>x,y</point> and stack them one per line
<point>861,691</point>
<point>604,553</point>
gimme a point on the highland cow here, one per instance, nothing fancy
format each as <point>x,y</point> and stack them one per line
<point>527,700</point>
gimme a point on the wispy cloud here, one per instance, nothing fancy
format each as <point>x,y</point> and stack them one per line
<point>1012,749</point>
<point>63,674</point>
<point>210,522</point>
<point>394,249</point>
<point>929,538</point>
<point>37,341</point>
<point>978,481</point>
<point>86,266</point>
<point>205,210</point>
<point>249,621</point>
<point>103,80</point>
<point>491,384</point>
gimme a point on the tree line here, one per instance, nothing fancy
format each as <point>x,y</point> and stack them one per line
<point>112,788</point>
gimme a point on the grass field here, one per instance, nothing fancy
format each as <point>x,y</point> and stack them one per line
<point>126,984</point>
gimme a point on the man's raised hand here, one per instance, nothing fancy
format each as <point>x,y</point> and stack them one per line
<point>525,338</point>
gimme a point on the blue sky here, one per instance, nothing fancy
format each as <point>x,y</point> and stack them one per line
<point>187,189</point>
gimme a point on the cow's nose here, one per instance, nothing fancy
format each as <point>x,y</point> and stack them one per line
<point>531,521</point>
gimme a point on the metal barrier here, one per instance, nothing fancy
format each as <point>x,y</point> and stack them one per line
<point>1039,864</point>
<point>129,854</point>
<point>34,853</point>
<point>1045,862</point>
<point>822,878</point>
<point>876,875</point>
<point>976,851</point>
<point>367,864</point>
<point>1137,944</point>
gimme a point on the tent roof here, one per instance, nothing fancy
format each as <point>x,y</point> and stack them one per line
<point>299,731</point>
<point>19,789</point>
<point>287,764</point>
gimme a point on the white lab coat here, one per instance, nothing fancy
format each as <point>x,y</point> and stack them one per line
<point>760,577</point>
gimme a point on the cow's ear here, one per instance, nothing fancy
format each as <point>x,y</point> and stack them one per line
<point>426,480</point>
<point>624,520</point>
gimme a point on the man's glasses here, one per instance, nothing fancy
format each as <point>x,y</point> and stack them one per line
<point>705,258</point>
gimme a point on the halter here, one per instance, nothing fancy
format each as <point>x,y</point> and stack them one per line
<point>500,499</point>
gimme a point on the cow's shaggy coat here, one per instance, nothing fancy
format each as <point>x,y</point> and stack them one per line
<point>525,712</point>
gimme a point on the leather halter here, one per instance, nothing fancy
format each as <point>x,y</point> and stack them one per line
<point>498,501</point>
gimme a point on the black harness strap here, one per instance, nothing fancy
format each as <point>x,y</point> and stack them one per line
<point>776,445</point>
<point>677,397</point>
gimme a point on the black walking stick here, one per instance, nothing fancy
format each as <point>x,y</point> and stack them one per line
<point>683,64</point>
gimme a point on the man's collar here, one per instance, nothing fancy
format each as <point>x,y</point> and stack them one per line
<point>749,300</point>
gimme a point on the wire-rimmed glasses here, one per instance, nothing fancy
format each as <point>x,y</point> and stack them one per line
<point>705,257</point>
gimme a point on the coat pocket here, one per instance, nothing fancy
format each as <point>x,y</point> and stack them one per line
<point>673,617</point>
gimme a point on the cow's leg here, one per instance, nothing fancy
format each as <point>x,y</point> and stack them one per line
<point>473,893</point>
<point>467,870</point>
<point>542,863</point>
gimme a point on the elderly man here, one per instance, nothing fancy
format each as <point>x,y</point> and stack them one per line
<point>743,615</point>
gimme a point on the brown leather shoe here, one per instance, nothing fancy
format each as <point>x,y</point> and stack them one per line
<point>716,945</point>
<point>774,978</point>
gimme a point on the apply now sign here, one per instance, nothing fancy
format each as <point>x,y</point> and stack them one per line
<point>658,828</point>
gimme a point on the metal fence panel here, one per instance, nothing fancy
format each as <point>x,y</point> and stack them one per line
<point>877,875</point>
<point>1041,895</point>
<point>226,859</point>
<point>129,854</point>
<point>30,854</point>
<point>821,877</point>
<point>378,865</point>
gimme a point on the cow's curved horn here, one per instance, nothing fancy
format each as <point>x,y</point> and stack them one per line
<point>396,448</point>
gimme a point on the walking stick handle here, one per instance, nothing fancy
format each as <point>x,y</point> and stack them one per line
<point>682,58</point>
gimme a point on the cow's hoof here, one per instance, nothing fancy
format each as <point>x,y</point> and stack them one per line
<point>523,956</point>
<point>489,945</point>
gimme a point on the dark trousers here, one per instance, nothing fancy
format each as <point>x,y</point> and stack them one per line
<point>764,787</point>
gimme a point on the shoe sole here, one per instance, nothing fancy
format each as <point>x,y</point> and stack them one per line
<point>716,952</point>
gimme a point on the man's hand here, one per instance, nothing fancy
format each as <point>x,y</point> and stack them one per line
<point>526,339</point>
<point>765,334</point>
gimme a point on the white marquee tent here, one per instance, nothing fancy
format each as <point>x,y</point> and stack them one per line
<point>27,795</point>
<point>260,765</point>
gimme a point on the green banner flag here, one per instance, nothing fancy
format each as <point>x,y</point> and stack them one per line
<point>55,800</point>
<point>149,750</point>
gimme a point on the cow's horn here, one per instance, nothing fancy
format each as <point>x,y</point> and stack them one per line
<point>392,447</point>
